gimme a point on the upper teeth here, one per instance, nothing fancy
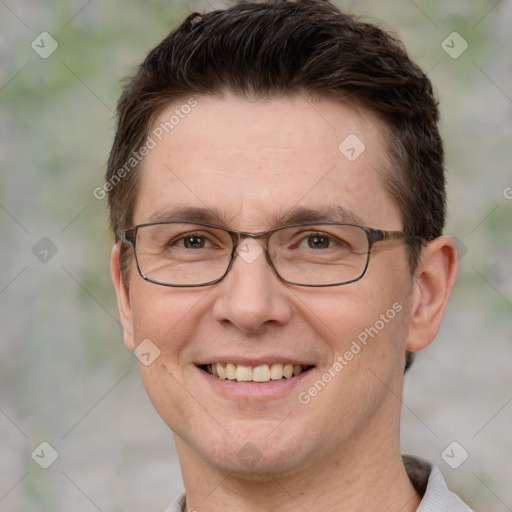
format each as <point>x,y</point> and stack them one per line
<point>262,373</point>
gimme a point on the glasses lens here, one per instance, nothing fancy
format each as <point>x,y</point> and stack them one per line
<point>182,254</point>
<point>322,254</point>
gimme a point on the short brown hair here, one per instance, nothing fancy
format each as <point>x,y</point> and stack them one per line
<point>280,47</point>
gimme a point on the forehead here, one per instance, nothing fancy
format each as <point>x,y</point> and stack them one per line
<point>252,162</point>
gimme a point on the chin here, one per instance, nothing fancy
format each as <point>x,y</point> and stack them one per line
<point>250,461</point>
<point>253,449</point>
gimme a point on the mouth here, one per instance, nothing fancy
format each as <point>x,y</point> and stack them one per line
<point>258,374</point>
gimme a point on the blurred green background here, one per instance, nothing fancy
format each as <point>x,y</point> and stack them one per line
<point>65,376</point>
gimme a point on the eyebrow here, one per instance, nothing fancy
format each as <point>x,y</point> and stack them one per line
<point>188,213</point>
<point>296,215</point>
<point>328,213</point>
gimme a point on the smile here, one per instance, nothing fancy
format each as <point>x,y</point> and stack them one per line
<point>260,373</point>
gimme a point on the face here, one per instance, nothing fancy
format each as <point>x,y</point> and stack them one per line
<point>249,165</point>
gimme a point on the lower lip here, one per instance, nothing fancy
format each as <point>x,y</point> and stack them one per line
<point>254,390</point>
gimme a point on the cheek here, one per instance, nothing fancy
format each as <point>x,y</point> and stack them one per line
<point>366,342</point>
<point>170,398</point>
<point>165,315</point>
<point>359,328</point>
<point>170,319</point>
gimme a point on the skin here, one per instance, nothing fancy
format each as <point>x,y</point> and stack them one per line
<point>254,161</point>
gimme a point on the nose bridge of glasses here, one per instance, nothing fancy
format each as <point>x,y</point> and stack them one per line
<point>238,237</point>
<point>247,247</point>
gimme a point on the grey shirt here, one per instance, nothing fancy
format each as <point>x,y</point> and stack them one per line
<point>425,477</point>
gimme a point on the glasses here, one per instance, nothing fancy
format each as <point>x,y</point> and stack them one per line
<point>188,254</point>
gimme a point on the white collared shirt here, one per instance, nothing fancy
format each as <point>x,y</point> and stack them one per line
<point>426,478</point>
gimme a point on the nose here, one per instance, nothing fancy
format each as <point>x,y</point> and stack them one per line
<point>251,296</point>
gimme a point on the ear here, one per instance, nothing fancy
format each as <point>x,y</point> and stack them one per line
<point>123,297</point>
<point>433,281</point>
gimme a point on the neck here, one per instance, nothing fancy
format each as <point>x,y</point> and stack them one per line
<point>366,475</point>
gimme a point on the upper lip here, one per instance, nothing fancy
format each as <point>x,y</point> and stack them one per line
<point>253,361</point>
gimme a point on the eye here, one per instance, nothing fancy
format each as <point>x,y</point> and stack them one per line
<point>337,240</point>
<point>319,241</point>
<point>193,241</point>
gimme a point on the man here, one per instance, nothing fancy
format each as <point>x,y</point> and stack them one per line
<point>277,193</point>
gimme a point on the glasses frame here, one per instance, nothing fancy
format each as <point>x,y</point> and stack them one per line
<point>373,235</point>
